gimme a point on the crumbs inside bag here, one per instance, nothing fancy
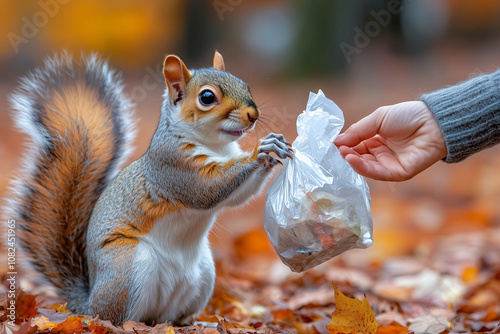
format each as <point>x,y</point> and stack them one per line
<point>327,225</point>
<point>317,207</point>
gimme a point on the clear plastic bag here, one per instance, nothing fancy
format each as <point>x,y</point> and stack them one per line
<point>317,207</point>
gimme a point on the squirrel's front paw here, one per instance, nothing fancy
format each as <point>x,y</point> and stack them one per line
<point>273,143</point>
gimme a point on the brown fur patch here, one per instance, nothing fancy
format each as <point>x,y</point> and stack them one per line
<point>80,105</point>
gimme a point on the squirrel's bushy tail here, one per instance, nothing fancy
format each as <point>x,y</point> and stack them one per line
<point>80,126</point>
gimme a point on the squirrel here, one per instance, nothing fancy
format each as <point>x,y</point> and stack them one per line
<point>132,244</point>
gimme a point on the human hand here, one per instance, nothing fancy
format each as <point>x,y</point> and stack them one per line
<point>394,143</point>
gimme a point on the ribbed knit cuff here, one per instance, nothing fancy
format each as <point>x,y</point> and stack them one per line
<point>468,115</point>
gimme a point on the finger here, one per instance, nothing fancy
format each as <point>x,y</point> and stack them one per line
<point>344,151</point>
<point>359,149</point>
<point>364,129</point>
<point>372,169</point>
<point>387,170</point>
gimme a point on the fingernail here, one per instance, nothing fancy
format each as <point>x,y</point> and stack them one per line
<point>338,139</point>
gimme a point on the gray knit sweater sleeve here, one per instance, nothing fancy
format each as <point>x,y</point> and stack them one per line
<point>468,115</point>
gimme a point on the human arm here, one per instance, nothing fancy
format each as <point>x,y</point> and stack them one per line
<point>397,142</point>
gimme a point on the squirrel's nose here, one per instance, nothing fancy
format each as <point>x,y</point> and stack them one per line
<point>250,118</point>
<point>253,114</point>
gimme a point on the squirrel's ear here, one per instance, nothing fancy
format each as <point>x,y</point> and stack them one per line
<point>177,76</point>
<point>219,61</point>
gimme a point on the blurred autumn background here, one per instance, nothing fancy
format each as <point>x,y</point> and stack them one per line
<point>436,236</point>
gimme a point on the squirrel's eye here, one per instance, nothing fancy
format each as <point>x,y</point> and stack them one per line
<point>207,97</point>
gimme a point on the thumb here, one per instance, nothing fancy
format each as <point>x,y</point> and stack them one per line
<point>364,129</point>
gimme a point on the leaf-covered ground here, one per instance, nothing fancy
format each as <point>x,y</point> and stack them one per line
<point>442,291</point>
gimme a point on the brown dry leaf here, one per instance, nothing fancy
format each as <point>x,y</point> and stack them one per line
<point>22,328</point>
<point>209,331</point>
<point>226,325</point>
<point>284,316</point>
<point>110,327</point>
<point>289,319</point>
<point>491,315</point>
<point>316,297</point>
<point>162,329</point>
<point>94,325</point>
<point>97,329</point>
<point>25,305</point>
<point>226,305</point>
<point>136,327</point>
<point>69,326</point>
<point>351,316</point>
<point>393,328</point>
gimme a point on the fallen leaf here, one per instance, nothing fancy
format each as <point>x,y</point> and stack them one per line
<point>136,327</point>
<point>22,328</point>
<point>427,283</point>
<point>225,324</point>
<point>111,328</point>
<point>98,329</point>
<point>53,315</point>
<point>209,331</point>
<point>320,296</point>
<point>351,316</point>
<point>42,322</point>
<point>390,317</point>
<point>226,305</point>
<point>59,307</point>
<point>162,329</point>
<point>291,320</point>
<point>69,326</point>
<point>25,305</point>
<point>428,323</point>
<point>394,328</point>
<point>491,315</point>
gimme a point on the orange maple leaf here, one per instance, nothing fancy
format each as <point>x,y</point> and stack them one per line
<point>351,316</point>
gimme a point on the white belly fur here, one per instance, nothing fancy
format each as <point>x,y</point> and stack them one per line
<point>174,272</point>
